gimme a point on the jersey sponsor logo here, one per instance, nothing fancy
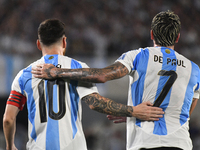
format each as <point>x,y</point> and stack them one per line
<point>173,62</point>
<point>167,51</point>
<point>51,57</point>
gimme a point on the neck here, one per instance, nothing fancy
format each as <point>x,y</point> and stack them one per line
<point>52,50</point>
<point>171,47</point>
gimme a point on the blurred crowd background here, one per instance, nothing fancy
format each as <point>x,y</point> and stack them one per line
<point>98,32</point>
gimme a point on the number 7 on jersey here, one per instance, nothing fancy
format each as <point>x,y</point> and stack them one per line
<point>172,78</point>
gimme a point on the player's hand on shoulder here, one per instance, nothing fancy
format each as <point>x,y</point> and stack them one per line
<point>46,71</point>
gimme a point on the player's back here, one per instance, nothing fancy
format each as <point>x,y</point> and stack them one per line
<point>167,79</point>
<point>54,107</point>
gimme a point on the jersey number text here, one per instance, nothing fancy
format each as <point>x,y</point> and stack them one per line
<point>61,97</point>
<point>172,78</point>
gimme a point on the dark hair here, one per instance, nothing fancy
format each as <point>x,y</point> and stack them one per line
<point>166,26</point>
<point>50,31</point>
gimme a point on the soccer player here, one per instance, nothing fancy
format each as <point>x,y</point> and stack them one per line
<point>54,107</point>
<point>159,74</point>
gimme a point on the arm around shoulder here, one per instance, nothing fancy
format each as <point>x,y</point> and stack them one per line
<point>96,75</point>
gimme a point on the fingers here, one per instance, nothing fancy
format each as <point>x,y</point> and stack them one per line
<point>154,110</point>
<point>118,121</point>
<point>37,70</point>
<point>111,117</point>
<point>39,65</point>
<point>149,103</point>
<point>158,111</point>
<point>155,117</point>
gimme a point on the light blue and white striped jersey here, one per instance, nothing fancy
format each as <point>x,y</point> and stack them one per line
<point>54,106</point>
<point>169,80</point>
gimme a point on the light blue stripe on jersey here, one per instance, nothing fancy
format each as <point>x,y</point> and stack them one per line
<point>74,98</point>
<point>52,131</point>
<point>26,79</point>
<point>140,65</point>
<point>160,126</point>
<point>55,100</point>
<point>189,94</point>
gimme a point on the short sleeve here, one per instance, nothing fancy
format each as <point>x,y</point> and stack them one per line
<point>196,94</point>
<point>17,84</point>
<point>197,87</point>
<point>128,58</point>
<point>16,96</point>
<point>85,88</point>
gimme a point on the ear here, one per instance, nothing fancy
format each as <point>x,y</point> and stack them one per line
<point>178,38</point>
<point>151,33</point>
<point>64,42</point>
<point>39,45</point>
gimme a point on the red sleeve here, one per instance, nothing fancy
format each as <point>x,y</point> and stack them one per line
<point>17,99</point>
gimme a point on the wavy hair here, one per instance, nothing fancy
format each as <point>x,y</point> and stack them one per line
<point>166,26</point>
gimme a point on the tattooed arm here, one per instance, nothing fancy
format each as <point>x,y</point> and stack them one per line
<point>144,111</point>
<point>96,75</point>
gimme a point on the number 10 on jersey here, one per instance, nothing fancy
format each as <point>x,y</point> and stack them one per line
<point>42,100</point>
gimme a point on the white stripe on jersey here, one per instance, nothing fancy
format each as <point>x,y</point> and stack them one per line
<point>54,107</point>
<point>160,73</point>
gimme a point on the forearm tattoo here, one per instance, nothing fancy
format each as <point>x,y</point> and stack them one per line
<point>107,106</point>
<point>96,75</point>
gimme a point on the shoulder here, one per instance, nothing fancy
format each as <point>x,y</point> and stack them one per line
<point>26,72</point>
<point>78,64</point>
<point>142,50</point>
<point>183,57</point>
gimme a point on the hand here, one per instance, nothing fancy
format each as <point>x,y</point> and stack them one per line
<point>47,71</point>
<point>116,119</point>
<point>146,112</point>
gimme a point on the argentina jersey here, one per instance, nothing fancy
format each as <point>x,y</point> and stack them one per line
<point>169,81</point>
<point>54,106</point>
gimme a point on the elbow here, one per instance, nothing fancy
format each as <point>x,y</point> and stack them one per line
<point>102,79</point>
<point>91,107</point>
<point>7,121</point>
